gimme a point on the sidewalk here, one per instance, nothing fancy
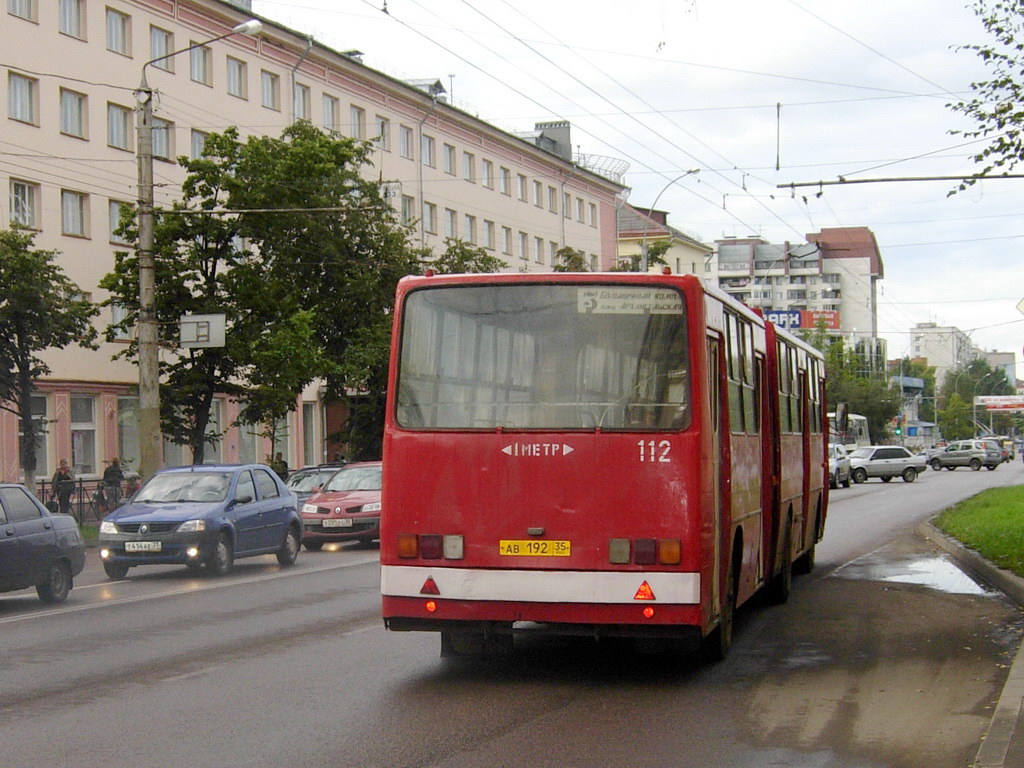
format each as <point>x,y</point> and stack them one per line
<point>1002,746</point>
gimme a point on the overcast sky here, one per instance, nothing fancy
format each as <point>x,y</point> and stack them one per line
<point>673,85</point>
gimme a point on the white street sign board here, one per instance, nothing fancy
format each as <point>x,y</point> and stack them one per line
<point>1001,402</point>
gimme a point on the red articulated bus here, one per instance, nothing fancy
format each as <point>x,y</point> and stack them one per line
<point>606,454</point>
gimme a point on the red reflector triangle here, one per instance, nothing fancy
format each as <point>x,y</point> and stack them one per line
<point>644,592</point>
<point>430,587</point>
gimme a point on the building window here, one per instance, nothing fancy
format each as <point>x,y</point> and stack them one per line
<point>521,186</point>
<point>119,126</point>
<point>552,252</point>
<point>118,313</point>
<point>469,166</point>
<point>553,199</point>
<point>524,246</point>
<point>332,114</point>
<point>72,213</point>
<point>580,207</point>
<point>382,132</point>
<point>408,209</point>
<point>427,150</point>
<point>163,139</point>
<point>270,89</point>
<point>198,143</point>
<point>161,43</point>
<point>72,113</point>
<point>118,211</point>
<point>83,434</point>
<point>405,141</point>
<point>469,229</point>
<point>593,215</point>
<point>506,240</point>
<point>489,234</point>
<point>567,205</point>
<point>200,64</point>
<point>448,159</point>
<point>26,9</point>
<point>505,181</point>
<point>300,102</point>
<point>22,101</point>
<point>357,119</point>
<point>118,32</point>
<point>24,204</point>
<point>430,217</point>
<point>538,194</point>
<point>70,18</point>
<point>538,249</point>
<point>451,226</point>
<point>238,78</point>
<point>487,173</point>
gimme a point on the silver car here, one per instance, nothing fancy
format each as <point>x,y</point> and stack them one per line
<point>968,453</point>
<point>838,466</point>
<point>885,462</point>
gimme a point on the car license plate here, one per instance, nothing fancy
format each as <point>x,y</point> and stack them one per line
<point>534,548</point>
<point>338,522</point>
<point>142,546</point>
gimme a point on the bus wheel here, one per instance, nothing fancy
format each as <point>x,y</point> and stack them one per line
<point>805,563</point>
<point>718,643</point>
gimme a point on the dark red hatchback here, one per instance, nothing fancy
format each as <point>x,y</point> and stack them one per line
<point>346,508</point>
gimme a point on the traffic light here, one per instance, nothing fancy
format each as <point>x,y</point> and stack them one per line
<point>899,430</point>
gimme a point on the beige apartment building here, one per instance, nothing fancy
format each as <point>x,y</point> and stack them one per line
<point>640,228</point>
<point>68,74</point>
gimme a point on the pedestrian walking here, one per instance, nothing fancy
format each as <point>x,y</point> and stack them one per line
<point>280,466</point>
<point>113,476</point>
<point>63,486</point>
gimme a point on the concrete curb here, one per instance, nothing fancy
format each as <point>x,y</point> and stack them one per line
<point>1002,728</point>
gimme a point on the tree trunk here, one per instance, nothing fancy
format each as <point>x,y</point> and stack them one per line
<point>27,444</point>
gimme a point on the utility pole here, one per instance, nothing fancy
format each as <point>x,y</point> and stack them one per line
<point>148,328</point>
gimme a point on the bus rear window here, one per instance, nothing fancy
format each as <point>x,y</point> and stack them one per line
<point>544,356</point>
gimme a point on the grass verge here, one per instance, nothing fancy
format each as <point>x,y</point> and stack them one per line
<point>991,523</point>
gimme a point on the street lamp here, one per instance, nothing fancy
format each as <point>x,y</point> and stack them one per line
<point>149,357</point>
<point>644,265</point>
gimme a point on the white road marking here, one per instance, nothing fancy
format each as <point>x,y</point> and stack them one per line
<point>184,591</point>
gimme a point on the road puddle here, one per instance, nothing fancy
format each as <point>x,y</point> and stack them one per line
<point>935,572</point>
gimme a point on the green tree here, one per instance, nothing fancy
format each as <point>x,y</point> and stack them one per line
<point>955,419</point>
<point>40,309</point>
<point>312,269</point>
<point>976,378</point>
<point>997,107</point>
<point>568,259</point>
<point>460,257</point>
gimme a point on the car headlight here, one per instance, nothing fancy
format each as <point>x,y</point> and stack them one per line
<point>371,507</point>
<point>108,527</point>
<point>192,526</point>
<point>309,509</point>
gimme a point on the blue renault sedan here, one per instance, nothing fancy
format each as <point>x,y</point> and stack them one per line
<point>203,516</point>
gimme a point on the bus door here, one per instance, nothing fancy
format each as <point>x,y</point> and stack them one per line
<point>715,413</point>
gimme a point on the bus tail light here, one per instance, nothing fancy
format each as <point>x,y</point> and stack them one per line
<point>618,551</point>
<point>408,547</point>
<point>431,546</point>
<point>645,551</point>
<point>669,551</point>
<point>453,547</point>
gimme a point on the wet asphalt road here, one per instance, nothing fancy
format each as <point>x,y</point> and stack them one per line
<point>885,656</point>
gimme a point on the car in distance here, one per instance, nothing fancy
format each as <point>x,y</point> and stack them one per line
<point>203,516</point>
<point>885,462</point>
<point>838,466</point>
<point>306,481</point>
<point>974,454</point>
<point>37,548</point>
<point>346,508</point>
